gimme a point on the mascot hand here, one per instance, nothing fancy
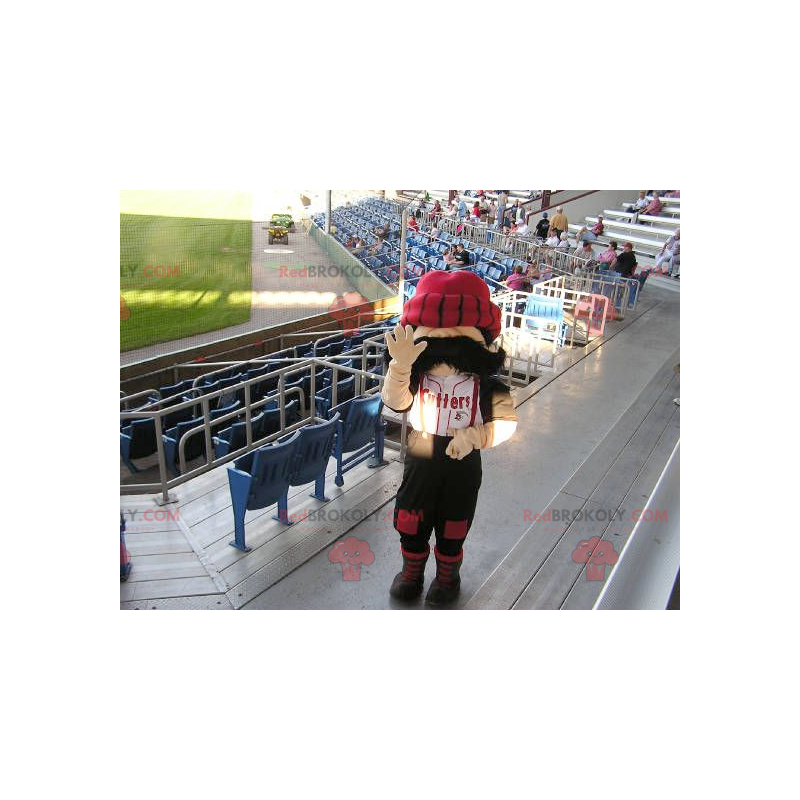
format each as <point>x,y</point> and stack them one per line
<point>401,347</point>
<point>461,446</point>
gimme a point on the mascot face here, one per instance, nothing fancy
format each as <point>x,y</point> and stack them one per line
<point>453,313</point>
<point>460,349</point>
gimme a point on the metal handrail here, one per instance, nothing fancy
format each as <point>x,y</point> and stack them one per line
<point>156,414</point>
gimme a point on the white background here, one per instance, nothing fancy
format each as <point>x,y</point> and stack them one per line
<point>336,704</point>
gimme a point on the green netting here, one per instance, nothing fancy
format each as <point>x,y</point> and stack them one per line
<point>362,279</point>
<point>181,276</point>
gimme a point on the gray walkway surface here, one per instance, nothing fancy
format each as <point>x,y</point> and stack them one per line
<point>611,408</point>
<point>277,298</point>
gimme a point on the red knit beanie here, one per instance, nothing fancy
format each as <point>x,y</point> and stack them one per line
<point>448,299</point>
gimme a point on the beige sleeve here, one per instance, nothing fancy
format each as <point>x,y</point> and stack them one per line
<point>395,392</point>
<point>499,429</point>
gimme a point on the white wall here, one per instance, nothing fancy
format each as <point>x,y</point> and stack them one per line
<point>591,204</point>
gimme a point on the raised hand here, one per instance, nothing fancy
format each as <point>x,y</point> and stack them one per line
<point>401,346</point>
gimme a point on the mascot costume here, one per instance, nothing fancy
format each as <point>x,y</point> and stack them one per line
<point>442,369</point>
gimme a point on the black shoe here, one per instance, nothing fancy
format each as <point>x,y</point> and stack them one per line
<point>408,583</point>
<point>447,584</point>
<point>440,595</point>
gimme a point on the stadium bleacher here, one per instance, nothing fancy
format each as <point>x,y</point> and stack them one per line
<point>647,235</point>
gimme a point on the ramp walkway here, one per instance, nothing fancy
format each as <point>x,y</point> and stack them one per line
<point>595,435</point>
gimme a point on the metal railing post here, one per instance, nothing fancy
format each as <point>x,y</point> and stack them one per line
<point>403,256</point>
<point>328,211</point>
<point>162,464</point>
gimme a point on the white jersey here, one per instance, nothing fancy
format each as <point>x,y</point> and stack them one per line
<point>445,401</point>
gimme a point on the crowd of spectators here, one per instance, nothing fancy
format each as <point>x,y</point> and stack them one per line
<point>512,218</point>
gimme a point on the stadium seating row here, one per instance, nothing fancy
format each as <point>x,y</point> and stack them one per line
<point>184,427</point>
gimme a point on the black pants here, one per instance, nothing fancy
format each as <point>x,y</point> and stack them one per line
<point>440,494</point>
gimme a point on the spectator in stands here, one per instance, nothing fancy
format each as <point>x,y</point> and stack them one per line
<point>563,242</point>
<point>518,211</point>
<point>522,228</point>
<point>673,193</point>
<point>476,211</point>
<point>641,202</point>
<point>552,240</point>
<point>350,243</point>
<point>608,257</point>
<point>654,207</point>
<point>518,281</point>
<point>483,205</point>
<point>671,248</point>
<point>626,261</point>
<point>434,234</point>
<point>376,248</point>
<point>359,247</point>
<point>491,213</point>
<point>437,209</point>
<point>449,258</point>
<point>462,209</point>
<point>413,225</point>
<point>502,202</point>
<point>584,250</point>
<point>382,231</point>
<point>559,223</point>
<point>584,235</point>
<point>543,226</point>
<point>598,227</point>
<point>462,255</point>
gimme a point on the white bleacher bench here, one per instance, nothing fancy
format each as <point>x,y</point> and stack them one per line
<point>668,210</point>
<point>628,227</point>
<point>641,246</point>
<point>610,213</point>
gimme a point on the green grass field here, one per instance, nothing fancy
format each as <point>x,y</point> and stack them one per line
<point>185,264</point>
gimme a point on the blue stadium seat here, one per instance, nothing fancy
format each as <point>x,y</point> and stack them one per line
<point>547,315</point>
<point>137,439</point>
<point>171,419</point>
<point>264,424</point>
<point>254,372</point>
<point>230,397</point>
<point>314,448</point>
<point>360,431</point>
<point>177,388</point>
<point>195,445</point>
<point>260,483</point>
<point>332,348</point>
<point>345,389</point>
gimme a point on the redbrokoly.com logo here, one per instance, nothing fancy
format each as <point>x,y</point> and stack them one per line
<point>351,554</point>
